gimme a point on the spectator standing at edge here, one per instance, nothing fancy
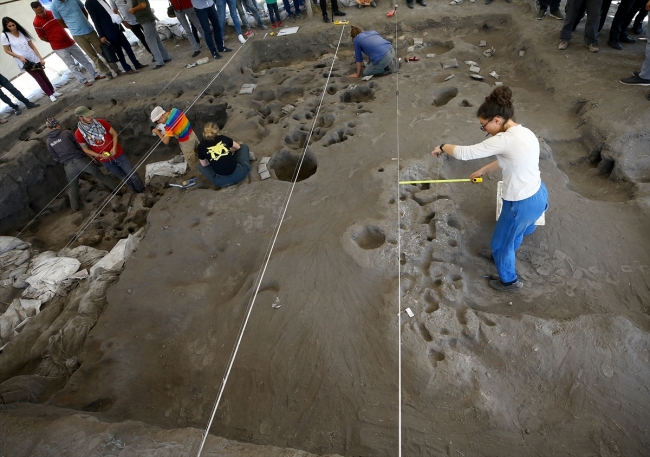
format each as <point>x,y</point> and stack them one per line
<point>4,82</point>
<point>409,3</point>
<point>555,9</point>
<point>335,9</point>
<point>591,25</point>
<point>145,17</point>
<point>207,14</point>
<point>178,126</point>
<point>17,42</point>
<point>254,12</point>
<point>50,31</point>
<point>221,13</point>
<point>293,15</point>
<point>110,31</point>
<point>72,15</point>
<point>122,7</point>
<point>185,14</point>
<point>98,139</point>
<point>65,150</point>
<point>622,19</point>
<point>642,77</point>
<point>637,27</point>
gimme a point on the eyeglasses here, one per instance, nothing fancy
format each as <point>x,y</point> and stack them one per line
<point>484,125</point>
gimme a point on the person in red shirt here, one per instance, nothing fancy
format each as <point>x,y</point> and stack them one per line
<point>49,30</point>
<point>98,139</point>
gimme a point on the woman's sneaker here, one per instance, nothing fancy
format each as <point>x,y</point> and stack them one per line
<point>53,98</point>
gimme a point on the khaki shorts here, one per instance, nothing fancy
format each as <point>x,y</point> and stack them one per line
<point>189,151</point>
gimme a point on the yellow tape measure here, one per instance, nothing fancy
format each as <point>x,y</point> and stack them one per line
<point>429,181</point>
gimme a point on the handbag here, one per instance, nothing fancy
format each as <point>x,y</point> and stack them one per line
<point>32,66</point>
<point>170,10</point>
<point>108,52</point>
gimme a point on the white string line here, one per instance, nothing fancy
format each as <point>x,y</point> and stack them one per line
<point>399,259</point>
<point>135,168</point>
<point>267,260</point>
<point>91,161</point>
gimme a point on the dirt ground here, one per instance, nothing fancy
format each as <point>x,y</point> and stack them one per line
<point>560,367</point>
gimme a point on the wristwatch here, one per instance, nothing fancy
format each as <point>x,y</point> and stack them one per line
<point>441,146</point>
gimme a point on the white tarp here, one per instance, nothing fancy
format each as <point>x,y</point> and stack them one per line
<point>173,167</point>
<point>15,318</point>
<point>118,254</point>
<point>47,277</point>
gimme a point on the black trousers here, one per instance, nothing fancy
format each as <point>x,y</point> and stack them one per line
<point>323,6</point>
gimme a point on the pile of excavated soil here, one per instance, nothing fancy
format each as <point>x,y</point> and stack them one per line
<point>559,367</point>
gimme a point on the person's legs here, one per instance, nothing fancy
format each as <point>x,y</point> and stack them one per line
<point>232,7</point>
<point>572,10</point>
<point>242,155</point>
<point>121,167</point>
<point>209,173</point>
<point>616,29</point>
<point>182,18</point>
<point>94,44</point>
<point>287,7</point>
<point>99,176</point>
<point>381,66</point>
<point>323,7</point>
<point>629,17</point>
<point>138,32</point>
<point>221,15</point>
<point>76,52</point>
<point>213,15</point>
<point>117,48</point>
<point>41,78</point>
<point>242,15</point>
<point>254,12</point>
<point>515,220</point>
<point>194,23</point>
<point>274,12</point>
<point>645,68</point>
<point>151,35</point>
<point>68,60</point>
<point>604,10</point>
<point>72,171</point>
<point>128,50</point>
<point>638,20</point>
<point>335,7</point>
<point>593,19</point>
<point>203,16</point>
<point>4,82</point>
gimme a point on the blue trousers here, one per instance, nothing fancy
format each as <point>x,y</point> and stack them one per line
<point>517,219</point>
<point>221,12</point>
<point>206,17</point>
<point>121,167</point>
<point>4,82</point>
<point>243,167</point>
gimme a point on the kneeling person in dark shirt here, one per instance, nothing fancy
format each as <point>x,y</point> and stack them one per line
<point>223,161</point>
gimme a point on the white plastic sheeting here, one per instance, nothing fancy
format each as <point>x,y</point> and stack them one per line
<point>118,254</point>
<point>173,167</point>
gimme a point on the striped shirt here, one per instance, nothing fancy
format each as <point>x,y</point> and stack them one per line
<point>178,126</point>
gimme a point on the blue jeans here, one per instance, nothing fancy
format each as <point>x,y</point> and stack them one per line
<point>206,17</point>
<point>645,68</point>
<point>243,167</point>
<point>287,7</point>
<point>221,12</point>
<point>4,82</point>
<point>517,219</point>
<point>121,167</point>
<point>383,65</point>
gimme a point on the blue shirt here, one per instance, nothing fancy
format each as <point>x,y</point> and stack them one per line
<point>372,45</point>
<point>71,13</point>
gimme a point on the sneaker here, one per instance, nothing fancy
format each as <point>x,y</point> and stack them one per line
<point>327,19</point>
<point>280,24</point>
<point>299,16</point>
<point>251,156</point>
<point>487,2</point>
<point>541,15</point>
<point>57,94</point>
<point>156,67</point>
<point>31,105</point>
<point>486,254</point>
<point>563,45</point>
<point>338,13</point>
<point>131,72</point>
<point>167,60</point>
<point>143,65</point>
<point>592,47</point>
<point>557,14</point>
<point>373,3</point>
<point>264,27</point>
<point>635,81</point>
<point>241,39</point>
<point>17,111</point>
<point>273,25</point>
<point>53,98</point>
<point>248,33</point>
<point>292,19</point>
<point>496,284</point>
<point>410,4</point>
<point>637,29</point>
<point>216,55</point>
<point>196,53</point>
<point>99,77</point>
<point>225,49</point>
<point>614,44</point>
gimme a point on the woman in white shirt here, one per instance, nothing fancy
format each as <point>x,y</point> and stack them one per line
<point>17,42</point>
<point>525,198</point>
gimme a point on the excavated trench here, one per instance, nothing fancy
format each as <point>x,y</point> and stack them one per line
<point>467,372</point>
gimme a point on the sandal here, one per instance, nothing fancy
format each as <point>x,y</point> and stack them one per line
<point>88,84</point>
